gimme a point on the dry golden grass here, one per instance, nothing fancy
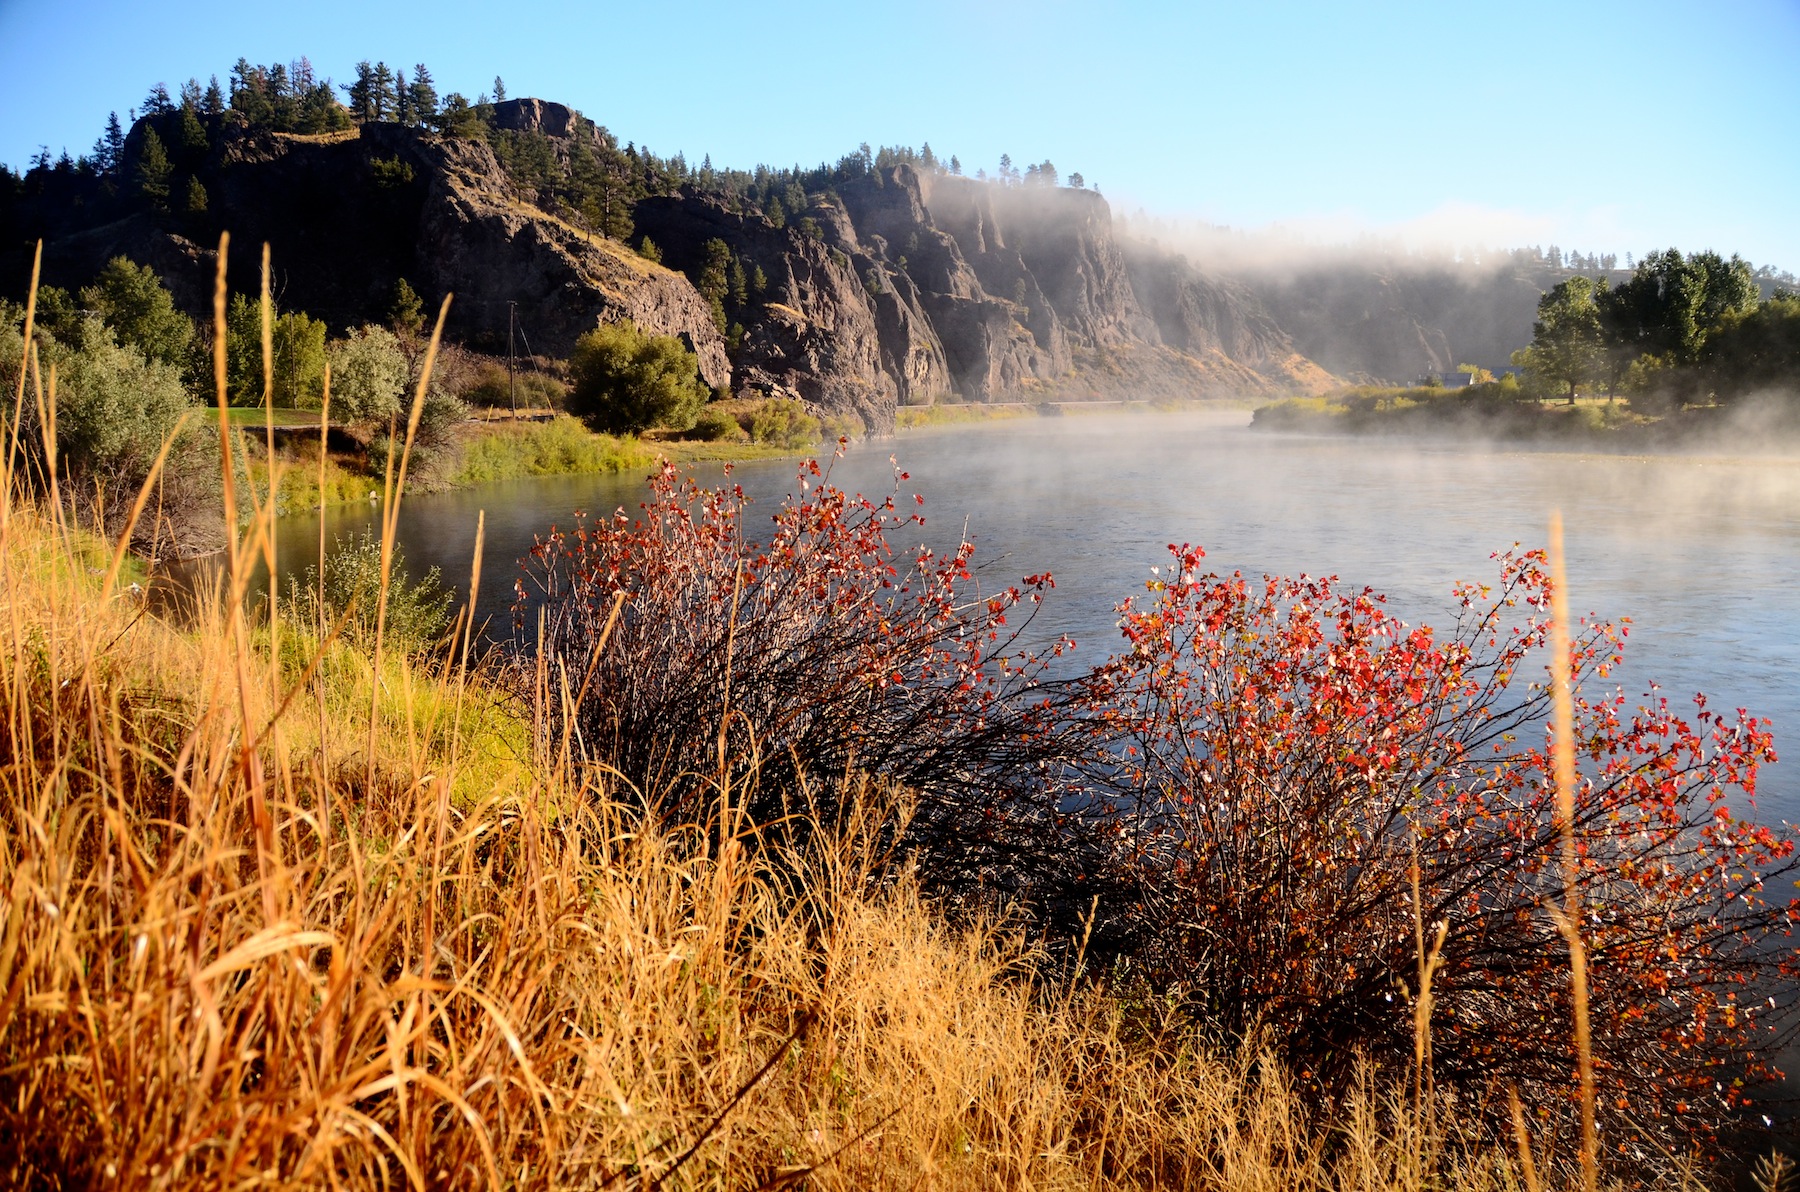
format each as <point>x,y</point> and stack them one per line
<point>272,923</point>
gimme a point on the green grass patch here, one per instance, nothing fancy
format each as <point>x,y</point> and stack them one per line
<point>912,417</point>
<point>251,417</point>
<point>560,447</point>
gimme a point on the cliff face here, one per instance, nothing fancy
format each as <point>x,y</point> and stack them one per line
<point>1385,322</point>
<point>895,288</point>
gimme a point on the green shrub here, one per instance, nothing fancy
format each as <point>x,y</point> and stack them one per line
<point>715,424</point>
<point>493,387</point>
<point>784,422</point>
<point>368,377</point>
<point>418,611</point>
<point>114,410</point>
<point>626,381</point>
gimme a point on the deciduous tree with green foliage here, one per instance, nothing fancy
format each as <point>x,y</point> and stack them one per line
<point>131,300</point>
<point>298,357</point>
<point>1565,340</point>
<point>624,380</point>
<point>1757,349</point>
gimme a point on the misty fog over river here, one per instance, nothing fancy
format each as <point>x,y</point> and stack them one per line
<point>1702,553</point>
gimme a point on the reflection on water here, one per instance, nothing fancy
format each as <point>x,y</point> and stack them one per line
<point>1702,553</point>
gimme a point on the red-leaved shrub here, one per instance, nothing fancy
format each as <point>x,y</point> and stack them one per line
<point>1287,751</point>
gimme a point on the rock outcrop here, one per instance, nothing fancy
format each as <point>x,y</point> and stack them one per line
<point>893,287</point>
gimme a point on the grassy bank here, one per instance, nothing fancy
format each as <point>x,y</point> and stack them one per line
<point>391,942</point>
<point>482,453</point>
<point>1480,411</point>
<point>1497,412</point>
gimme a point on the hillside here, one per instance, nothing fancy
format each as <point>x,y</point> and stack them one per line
<point>901,285</point>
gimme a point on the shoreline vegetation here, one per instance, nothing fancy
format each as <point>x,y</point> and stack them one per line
<point>550,443</point>
<point>1489,413</point>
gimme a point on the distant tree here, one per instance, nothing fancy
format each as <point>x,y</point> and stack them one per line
<point>402,98</point>
<point>759,281</point>
<point>1046,173</point>
<point>927,158</point>
<point>193,199</point>
<point>132,301</point>
<point>1671,304</point>
<point>157,102</point>
<point>714,279</point>
<point>1757,350</point>
<point>624,381</point>
<point>297,357</point>
<point>153,171</point>
<point>776,214</point>
<point>460,118</point>
<point>423,95</point>
<point>1566,345</point>
<point>499,90</point>
<point>109,149</point>
<point>382,95</point>
<point>368,376</point>
<point>648,250</point>
<point>406,312</point>
<point>809,228</point>
<point>955,165</point>
<point>1077,181</point>
<point>363,93</point>
<point>740,284</point>
<point>213,102</point>
<point>193,143</point>
<point>1728,289</point>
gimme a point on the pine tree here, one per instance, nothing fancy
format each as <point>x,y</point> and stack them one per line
<point>213,103</point>
<point>109,149</point>
<point>740,285</point>
<point>406,313</point>
<point>153,171</point>
<point>361,93</point>
<point>955,165</point>
<point>158,103</point>
<point>194,143</point>
<point>382,95</point>
<point>194,202</point>
<point>424,95</point>
<point>499,90</point>
<point>402,98</point>
<point>777,216</point>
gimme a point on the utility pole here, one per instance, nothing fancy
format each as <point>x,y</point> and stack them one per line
<point>512,379</point>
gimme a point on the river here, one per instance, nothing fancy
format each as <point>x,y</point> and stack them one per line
<point>1702,553</point>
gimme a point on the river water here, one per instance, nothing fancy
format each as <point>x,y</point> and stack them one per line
<point>1702,553</point>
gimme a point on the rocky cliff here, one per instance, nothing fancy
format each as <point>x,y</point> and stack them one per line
<point>890,288</point>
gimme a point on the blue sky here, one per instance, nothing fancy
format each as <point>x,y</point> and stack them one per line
<point>1600,126</point>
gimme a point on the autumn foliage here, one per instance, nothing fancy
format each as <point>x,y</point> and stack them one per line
<point>797,651</point>
<point>1261,807</point>
<point>1295,762</point>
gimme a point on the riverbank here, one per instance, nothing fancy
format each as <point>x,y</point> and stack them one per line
<point>480,453</point>
<point>396,934</point>
<point>1489,413</point>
